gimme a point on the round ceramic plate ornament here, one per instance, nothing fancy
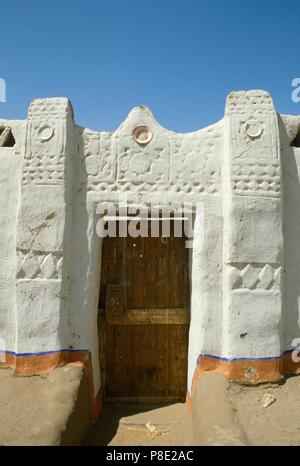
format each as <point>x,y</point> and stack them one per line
<point>253,129</point>
<point>46,133</point>
<point>142,134</point>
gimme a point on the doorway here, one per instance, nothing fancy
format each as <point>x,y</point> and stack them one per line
<point>144,318</point>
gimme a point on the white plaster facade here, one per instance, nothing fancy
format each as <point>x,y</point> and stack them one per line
<point>245,281</point>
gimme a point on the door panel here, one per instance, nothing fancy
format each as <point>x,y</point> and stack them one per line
<point>144,318</point>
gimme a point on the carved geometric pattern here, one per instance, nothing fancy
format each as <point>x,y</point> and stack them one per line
<point>99,157</point>
<point>249,110</point>
<point>137,164</point>
<point>184,188</point>
<point>196,158</point>
<point>255,276</point>
<point>46,142</point>
<point>258,103</point>
<point>38,265</point>
<point>262,147</point>
<point>256,178</point>
<point>43,170</point>
<point>192,160</point>
<point>54,108</point>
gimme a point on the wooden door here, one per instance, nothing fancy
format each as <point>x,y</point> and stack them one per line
<point>144,318</point>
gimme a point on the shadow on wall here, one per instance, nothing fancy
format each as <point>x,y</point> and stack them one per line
<point>296,141</point>
<point>83,248</point>
<point>291,235</point>
<point>79,257</point>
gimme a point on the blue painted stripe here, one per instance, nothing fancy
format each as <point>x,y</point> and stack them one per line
<point>220,358</point>
<point>41,353</point>
<point>213,356</point>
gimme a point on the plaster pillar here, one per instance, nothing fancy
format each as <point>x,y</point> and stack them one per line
<point>253,239</point>
<point>43,237</point>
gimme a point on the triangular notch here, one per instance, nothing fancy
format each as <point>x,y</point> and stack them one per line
<point>6,137</point>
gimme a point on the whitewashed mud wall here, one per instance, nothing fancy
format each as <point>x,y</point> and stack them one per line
<point>244,281</point>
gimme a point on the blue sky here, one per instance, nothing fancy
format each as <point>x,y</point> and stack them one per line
<point>179,57</point>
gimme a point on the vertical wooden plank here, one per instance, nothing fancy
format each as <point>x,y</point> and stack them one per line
<point>111,386</point>
<point>178,360</point>
<point>135,273</point>
<point>104,272</point>
<point>159,335</point>
<point>112,267</point>
<point>158,273</point>
<point>102,340</point>
<point>179,280</point>
<point>123,354</point>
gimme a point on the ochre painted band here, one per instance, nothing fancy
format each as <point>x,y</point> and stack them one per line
<point>245,371</point>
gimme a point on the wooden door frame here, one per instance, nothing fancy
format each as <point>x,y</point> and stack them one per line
<point>101,315</point>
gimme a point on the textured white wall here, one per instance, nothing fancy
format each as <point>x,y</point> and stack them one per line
<point>242,170</point>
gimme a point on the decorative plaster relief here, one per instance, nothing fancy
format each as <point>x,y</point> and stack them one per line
<point>162,161</point>
<point>46,142</point>
<point>250,177</point>
<point>57,108</point>
<point>254,126</point>
<point>255,102</point>
<point>255,276</point>
<point>141,187</point>
<point>253,129</point>
<point>148,164</point>
<point>38,265</point>
<point>43,170</point>
<point>195,159</point>
<point>100,157</point>
<point>254,137</point>
<point>46,133</point>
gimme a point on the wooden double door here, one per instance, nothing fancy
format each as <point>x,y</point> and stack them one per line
<point>144,318</point>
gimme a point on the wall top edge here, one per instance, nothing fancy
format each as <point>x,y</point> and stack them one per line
<point>236,102</point>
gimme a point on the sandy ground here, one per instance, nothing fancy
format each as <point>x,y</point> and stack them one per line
<point>138,425</point>
<point>228,414</point>
<point>36,410</point>
<point>277,424</point>
<point>52,410</point>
